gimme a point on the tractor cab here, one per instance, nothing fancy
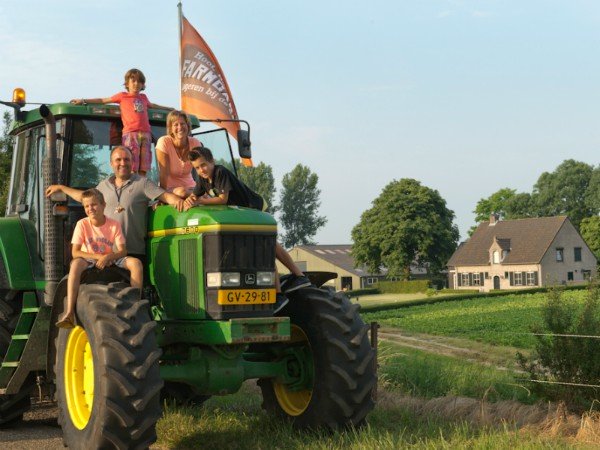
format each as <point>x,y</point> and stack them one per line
<point>85,136</point>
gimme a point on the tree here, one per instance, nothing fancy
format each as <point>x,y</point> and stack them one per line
<point>592,195</point>
<point>407,223</point>
<point>494,204</point>
<point>260,179</point>
<point>590,232</point>
<point>563,192</point>
<point>521,205</point>
<point>6,150</point>
<point>299,205</point>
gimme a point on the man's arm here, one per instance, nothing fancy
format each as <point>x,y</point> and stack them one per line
<point>75,194</point>
<point>172,199</point>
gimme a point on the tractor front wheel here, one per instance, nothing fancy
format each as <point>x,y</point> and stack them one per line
<point>330,363</point>
<point>107,373</point>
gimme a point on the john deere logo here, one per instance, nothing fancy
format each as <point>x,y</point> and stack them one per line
<point>250,278</point>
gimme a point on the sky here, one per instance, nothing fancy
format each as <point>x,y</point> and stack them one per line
<point>467,97</point>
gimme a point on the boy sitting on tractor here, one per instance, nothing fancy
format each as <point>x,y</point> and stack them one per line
<point>94,239</point>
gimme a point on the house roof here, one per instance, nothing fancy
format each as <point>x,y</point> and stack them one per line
<point>341,256</point>
<point>526,240</point>
<point>338,255</point>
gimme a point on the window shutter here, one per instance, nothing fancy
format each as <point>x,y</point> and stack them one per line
<point>470,278</point>
<point>458,279</point>
<point>512,278</point>
<point>482,278</point>
<point>535,278</point>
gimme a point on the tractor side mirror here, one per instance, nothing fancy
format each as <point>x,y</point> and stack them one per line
<point>243,139</point>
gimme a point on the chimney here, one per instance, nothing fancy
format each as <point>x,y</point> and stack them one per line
<point>494,219</point>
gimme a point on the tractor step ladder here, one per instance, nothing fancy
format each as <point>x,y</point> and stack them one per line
<point>19,338</point>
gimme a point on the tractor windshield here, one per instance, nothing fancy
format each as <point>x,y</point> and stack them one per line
<point>220,146</point>
<point>92,141</point>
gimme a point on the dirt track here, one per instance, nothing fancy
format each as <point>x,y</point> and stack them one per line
<point>496,356</point>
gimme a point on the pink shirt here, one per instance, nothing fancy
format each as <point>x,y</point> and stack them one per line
<point>180,171</point>
<point>98,240</point>
<point>134,111</point>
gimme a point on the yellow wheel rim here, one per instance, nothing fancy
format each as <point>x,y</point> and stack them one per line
<point>293,403</point>
<point>79,377</point>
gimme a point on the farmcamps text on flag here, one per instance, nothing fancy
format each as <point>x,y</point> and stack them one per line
<point>204,89</point>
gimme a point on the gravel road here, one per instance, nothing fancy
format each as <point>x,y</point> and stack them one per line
<point>39,430</point>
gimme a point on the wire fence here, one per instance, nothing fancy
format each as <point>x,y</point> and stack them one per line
<point>564,383</point>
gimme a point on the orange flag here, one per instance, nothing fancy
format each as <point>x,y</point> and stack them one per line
<point>204,89</point>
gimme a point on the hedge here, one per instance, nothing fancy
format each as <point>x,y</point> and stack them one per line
<point>403,287</point>
<point>452,298</point>
<point>366,291</point>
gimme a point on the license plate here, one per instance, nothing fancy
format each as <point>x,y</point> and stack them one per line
<point>245,296</point>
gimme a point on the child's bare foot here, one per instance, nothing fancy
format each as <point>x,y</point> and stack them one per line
<point>66,321</point>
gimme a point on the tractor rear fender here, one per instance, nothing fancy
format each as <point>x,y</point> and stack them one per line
<point>316,277</point>
<point>20,263</point>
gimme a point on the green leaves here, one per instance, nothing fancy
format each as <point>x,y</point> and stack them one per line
<point>573,189</point>
<point>407,223</point>
<point>260,179</point>
<point>6,143</point>
<point>298,212</point>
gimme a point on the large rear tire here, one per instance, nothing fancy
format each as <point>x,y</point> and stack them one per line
<point>107,372</point>
<point>12,407</point>
<point>329,339</point>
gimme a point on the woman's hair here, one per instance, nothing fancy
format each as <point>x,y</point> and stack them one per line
<point>93,193</point>
<point>136,74</point>
<point>173,116</point>
<point>203,152</point>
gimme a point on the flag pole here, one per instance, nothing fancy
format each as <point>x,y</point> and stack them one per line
<point>179,8</point>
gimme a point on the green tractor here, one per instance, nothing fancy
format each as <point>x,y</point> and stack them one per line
<point>206,322</point>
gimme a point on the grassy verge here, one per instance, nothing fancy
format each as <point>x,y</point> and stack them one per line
<point>502,320</point>
<point>236,422</point>
<point>423,374</point>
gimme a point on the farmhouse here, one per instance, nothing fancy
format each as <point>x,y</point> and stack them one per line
<point>338,259</point>
<point>516,254</point>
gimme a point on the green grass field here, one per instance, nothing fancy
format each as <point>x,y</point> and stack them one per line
<point>368,301</point>
<point>496,320</point>
<point>408,376</point>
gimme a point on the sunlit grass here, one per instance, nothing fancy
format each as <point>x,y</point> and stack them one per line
<point>237,422</point>
<point>496,320</point>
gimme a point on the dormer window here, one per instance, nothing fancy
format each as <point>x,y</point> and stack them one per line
<point>504,253</point>
<point>496,257</point>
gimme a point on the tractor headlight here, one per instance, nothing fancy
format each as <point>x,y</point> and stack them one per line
<point>265,278</point>
<point>222,279</point>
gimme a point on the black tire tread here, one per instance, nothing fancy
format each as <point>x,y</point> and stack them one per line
<point>127,377</point>
<point>343,360</point>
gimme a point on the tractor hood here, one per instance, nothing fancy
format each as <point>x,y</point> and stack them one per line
<point>166,221</point>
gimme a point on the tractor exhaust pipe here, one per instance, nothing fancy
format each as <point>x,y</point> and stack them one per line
<point>53,247</point>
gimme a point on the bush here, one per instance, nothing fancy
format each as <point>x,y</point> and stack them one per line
<point>559,358</point>
<point>431,292</point>
<point>403,287</point>
<point>366,291</point>
<point>458,291</point>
